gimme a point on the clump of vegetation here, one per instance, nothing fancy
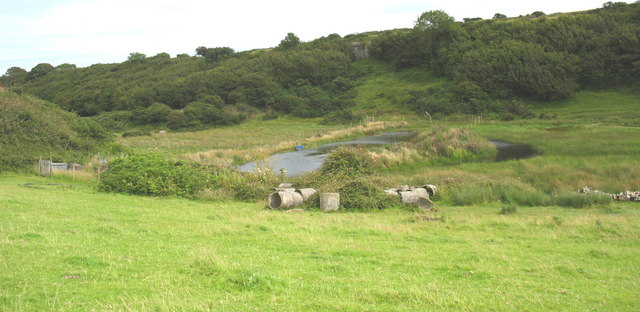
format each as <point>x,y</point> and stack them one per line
<point>508,209</point>
<point>575,200</point>
<point>350,171</point>
<point>439,144</point>
<point>155,176</point>
<point>363,195</point>
<point>348,161</point>
<point>516,193</point>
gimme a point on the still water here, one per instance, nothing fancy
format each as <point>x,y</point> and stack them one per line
<point>298,162</point>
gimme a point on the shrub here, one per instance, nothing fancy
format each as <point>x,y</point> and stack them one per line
<point>348,161</point>
<point>155,114</point>
<point>153,175</point>
<point>177,120</point>
<point>364,196</point>
<point>87,128</point>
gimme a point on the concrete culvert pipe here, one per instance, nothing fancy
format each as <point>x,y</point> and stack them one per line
<point>284,189</point>
<point>329,201</point>
<point>421,192</point>
<point>431,189</point>
<point>284,200</point>
<point>391,192</point>
<point>425,203</point>
<point>409,197</point>
<point>306,192</point>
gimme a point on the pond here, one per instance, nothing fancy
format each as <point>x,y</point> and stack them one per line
<point>298,162</point>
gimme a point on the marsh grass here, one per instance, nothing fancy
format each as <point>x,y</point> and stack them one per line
<point>249,141</point>
<point>580,148</point>
<point>77,250</point>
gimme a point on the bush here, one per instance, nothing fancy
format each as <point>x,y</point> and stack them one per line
<point>87,128</point>
<point>348,161</point>
<point>155,114</point>
<point>154,176</point>
<point>364,196</point>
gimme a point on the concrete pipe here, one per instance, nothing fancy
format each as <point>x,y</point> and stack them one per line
<point>425,203</point>
<point>430,188</point>
<point>329,201</point>
<point>409,197</point>
<point>391,192</point>
<point>284,189</point>
<point>421,192</point>
<point>284,200</point>
<point>306,192</point>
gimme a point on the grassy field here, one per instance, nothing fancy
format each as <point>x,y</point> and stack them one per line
<point>68,247</point>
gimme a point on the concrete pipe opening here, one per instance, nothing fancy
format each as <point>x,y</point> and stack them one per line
<point>284,200</point>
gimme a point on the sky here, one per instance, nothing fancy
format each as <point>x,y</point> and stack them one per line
<point>86,32</point>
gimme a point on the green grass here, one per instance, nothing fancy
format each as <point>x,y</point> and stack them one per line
<point>71,248</point>
<point>254,133</point>
<point>382,92</point>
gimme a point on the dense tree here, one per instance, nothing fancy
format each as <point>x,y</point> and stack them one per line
<point>136,57</point>
<point>212,55</point>
<point>524,69</point>
<point>434,20</point>
<point>40,70</point>
<point>538,14</point>
<point>66,66</point>
<point>289,42</point>
<point>15,71</point>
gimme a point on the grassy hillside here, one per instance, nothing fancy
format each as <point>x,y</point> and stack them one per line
<point>69,248</point>
<point>385,90</point>
<point>32,129</point>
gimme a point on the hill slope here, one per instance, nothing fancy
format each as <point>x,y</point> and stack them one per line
<point>32,128</point>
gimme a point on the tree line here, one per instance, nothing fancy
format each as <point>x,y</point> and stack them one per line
<point>215,86</point>
<point>491,65</point>
<point>540,57</point>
